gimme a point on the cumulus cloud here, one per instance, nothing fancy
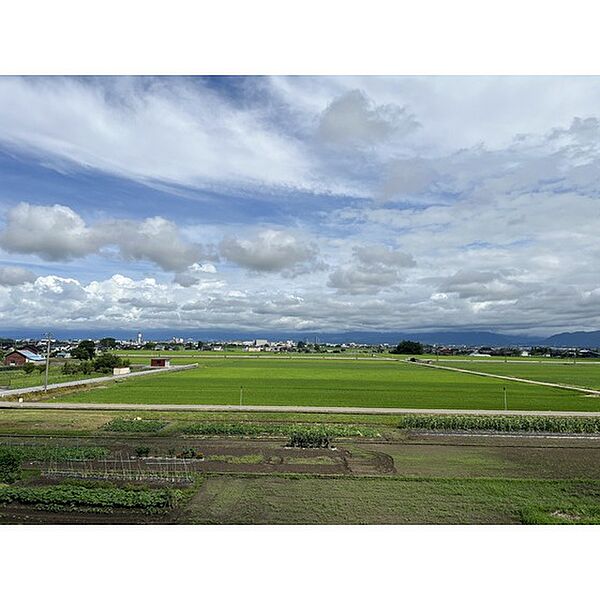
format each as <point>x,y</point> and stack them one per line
<point>58,233</point>
<point>372,269</point>
<point>354,119</point>
<point>159,241</point>
<point>271,250</point>
<point>51,232</point>
<point>10,276</point>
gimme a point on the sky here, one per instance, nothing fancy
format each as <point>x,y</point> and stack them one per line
<point>300,203</point>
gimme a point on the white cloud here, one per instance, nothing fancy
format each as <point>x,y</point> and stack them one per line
<point>269,250</point>
<point>56,233</point>
<point>51,232</point>
<point>169,130</point>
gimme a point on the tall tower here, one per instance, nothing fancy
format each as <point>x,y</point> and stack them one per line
<point>140,338</point>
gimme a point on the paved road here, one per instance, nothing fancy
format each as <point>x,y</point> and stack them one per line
<point>92,380</point>
<point>358,410</point>
<point>562,386</point>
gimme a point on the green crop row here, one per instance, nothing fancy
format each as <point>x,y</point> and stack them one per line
<point>501,423</point>
<point>257,429</point>
<point>136,425</point>
<point>73,497</point>
<point>318,437</point>
<point>28,452</point>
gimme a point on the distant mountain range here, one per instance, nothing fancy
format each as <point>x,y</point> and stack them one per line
<point>581,339</point>
<point>575,339</point>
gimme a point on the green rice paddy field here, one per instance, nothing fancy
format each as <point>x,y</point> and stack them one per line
<point>581,374</point>
<point>318,382</point>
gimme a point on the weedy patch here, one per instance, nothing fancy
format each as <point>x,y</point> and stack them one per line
<point>135,425</point>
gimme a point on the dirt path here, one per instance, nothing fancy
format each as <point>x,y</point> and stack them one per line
<point>356,410</point>
<point>561,386</point>
<point>93,380</point>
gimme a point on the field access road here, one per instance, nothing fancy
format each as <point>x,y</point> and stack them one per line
<point>562,386</point>
<point>93,380</point>
<point>353,410</point>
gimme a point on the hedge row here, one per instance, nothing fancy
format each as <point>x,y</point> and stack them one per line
<point>27,452</point>
<point>501,423</point>
<point>71,497</point>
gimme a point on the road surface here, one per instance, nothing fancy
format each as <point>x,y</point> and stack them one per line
<point>93,380</point>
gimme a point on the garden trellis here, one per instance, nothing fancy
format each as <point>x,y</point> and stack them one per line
<point>167,469</point>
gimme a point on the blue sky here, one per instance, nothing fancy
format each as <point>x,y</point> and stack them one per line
<point>300,203</point>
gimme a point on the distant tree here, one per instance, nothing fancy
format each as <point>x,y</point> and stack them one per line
<point>107,362</point>
<point>408,347</point>
<point>108,343</point>
<point>86,350</point>
<point>149,345</point>
<point>200,345</point>
<point>301,345</point>
<point>86,366</point>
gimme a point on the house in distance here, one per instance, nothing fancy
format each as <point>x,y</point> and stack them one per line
<point>17,358</point>
<point>158,363</point>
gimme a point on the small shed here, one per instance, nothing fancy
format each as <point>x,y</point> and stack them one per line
<point>159,363</point>
<point>17,358</point>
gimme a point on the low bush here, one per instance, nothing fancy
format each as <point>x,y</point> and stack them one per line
<point>39,452</point>
<point>190,453</point>
<point>29,368</point>
<point>318,437</point>
<point>105,363</point>
<point>506,423</point>
<point>10,467</point>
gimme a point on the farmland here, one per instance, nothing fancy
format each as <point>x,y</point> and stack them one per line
<point>17,378</point>
<point>319,382</point>
<point>170,466</point>
<point>579,374</point>
<point>375,472</point>
<point>278,500</point>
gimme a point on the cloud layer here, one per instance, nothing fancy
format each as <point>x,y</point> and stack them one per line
<point>301,203</point>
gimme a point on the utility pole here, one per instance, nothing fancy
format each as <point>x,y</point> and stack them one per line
<point>241,394</point>
<point>47,362</point>
<point>505,403</point>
